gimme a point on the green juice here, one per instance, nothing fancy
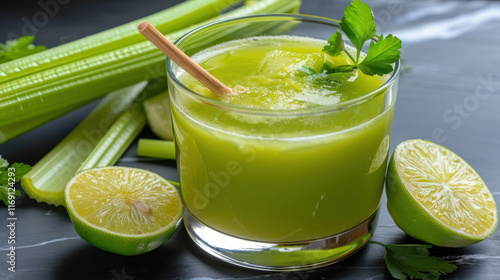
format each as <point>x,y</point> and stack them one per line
<point>287,158</point>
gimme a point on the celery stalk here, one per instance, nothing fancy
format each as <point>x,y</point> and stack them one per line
<point>13,130</point>
<point>99,139</point>
<point>169,20</point>
<point>174,183</point>
<point>84,86</point>
<point>156,148</point>
<point>86,80</point>
<point>117,140</point>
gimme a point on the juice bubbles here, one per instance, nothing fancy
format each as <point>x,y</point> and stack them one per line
<point>287,173</point>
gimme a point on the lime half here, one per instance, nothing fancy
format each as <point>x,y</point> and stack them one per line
<point>123,210</point>
<point>436,197</point>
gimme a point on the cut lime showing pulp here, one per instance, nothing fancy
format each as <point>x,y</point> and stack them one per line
<point>123,210</point>
<point>436,197</point>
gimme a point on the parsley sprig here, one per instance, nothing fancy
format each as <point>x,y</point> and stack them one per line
<point>14,49</point>
<point>415,261</point>
<point>358,24</point>
<point>18,170</point>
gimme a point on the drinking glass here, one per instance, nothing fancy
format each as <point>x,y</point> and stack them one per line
<point>279,190</point>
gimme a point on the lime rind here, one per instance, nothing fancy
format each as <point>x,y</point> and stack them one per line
<point>107,241</point>
<point>415,208</point>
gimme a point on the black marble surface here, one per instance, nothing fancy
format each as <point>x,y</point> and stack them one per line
<point>450,95</point>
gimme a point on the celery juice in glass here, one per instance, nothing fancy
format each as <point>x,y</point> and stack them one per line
<point>287,172</point>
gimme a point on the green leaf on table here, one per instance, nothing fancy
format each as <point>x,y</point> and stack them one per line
<point>358,24</point>
<point>414,261</point>
<point>4,194</point>
<point>20,169</point>
<point>14,49</point>
<point>381,55</point>
<point>17,170</point>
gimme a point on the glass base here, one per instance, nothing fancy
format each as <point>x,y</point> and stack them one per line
<point>289,256</point>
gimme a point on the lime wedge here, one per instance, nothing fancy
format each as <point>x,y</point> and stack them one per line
<point>158,114</point>
<point>123,210</point>
<point>436,197</point>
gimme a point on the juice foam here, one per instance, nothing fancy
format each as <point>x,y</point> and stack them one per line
<point>269,68</point>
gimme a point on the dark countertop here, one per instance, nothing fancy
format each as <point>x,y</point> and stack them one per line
<point>450,95</point>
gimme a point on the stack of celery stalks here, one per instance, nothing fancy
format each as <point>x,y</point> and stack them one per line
<point>119,64</point>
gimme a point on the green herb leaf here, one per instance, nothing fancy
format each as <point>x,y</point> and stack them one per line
<point>14,49</point>
<point>381,55</point>
<point>358,24</point>
<point>329,76</point>
<point>307,70</point>
<point>328,69</point>
<point>335,44</point>
<point>18,170</point>
<point>414,261</point>
<point>333,80</point>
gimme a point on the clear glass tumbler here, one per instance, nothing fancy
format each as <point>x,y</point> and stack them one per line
<point>279,189</point>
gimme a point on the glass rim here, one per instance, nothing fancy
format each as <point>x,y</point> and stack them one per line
<point>280,112</point>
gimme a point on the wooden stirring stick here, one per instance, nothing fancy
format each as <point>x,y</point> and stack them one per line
<point>184,61</point>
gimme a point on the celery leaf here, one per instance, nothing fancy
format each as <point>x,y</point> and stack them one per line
<point>330,76</point>
<point>414,261</point>
<point>335,44</point>
<point>17,170</point>
<point>381,55</point>
<point>14,49</point>
<point>358,24</point>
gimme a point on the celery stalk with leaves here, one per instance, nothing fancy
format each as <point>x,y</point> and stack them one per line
<point>169,20</point>
<point>82,81</point>
<point>36,68</point>
<point>15,49</point>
